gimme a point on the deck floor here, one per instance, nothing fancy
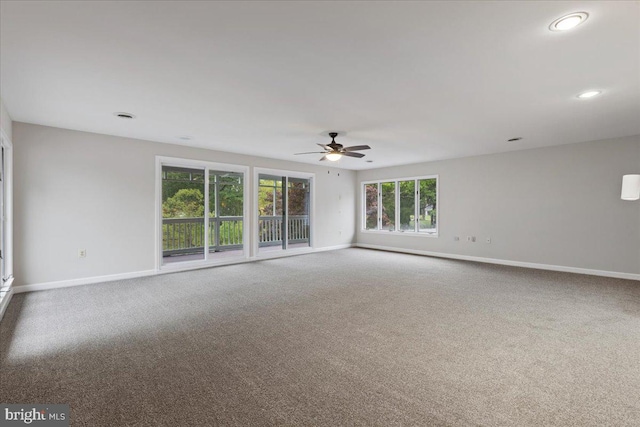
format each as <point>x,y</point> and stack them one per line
<point>226,254</point>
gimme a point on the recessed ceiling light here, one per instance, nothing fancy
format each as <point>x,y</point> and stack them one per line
<point>124,115</point>
<point>568,22</point>
<point>185,138</point>
<point>514,139</point>
<point>589,94</point>
<point>369,161</point>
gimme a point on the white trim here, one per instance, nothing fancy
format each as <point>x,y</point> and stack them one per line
<point>83,281</point>
<point>335,247</point>
<point>8,207</point>
<point>551,267</point>
<point>401,233</point>
<point>5,302</point>
<point>146,273</point>
<point>158,214</point>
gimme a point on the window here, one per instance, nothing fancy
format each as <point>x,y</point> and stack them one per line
<point>407,205</point>
<point>371,206</point>
<point>407,190</point>
<point>388,214</point>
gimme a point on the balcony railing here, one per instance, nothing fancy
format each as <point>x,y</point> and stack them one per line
<point>182,236</point>
<point>270,229</point>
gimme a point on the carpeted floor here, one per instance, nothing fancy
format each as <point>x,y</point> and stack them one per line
<point>350,337</point>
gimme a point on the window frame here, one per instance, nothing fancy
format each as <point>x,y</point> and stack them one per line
<point>396,231</point>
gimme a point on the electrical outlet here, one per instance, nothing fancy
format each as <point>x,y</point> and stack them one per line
<point>82,253</point>
<point>456,238</point>
<point>471,239</point>
<point>488,239</point>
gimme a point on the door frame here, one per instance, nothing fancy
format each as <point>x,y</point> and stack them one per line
<point>255,217</point>
<point>200,164</point>
<point>7,221</point>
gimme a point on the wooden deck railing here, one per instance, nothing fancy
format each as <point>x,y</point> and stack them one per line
<point>186,235</point>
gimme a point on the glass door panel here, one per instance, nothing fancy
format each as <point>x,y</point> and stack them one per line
<point>183,226</point>
<point>226,210</point>
<point>298,203</point>
<point>271,200</point>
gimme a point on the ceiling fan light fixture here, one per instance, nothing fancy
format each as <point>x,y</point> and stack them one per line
<point>332,157</point>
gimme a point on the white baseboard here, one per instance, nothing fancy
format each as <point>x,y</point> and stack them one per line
<point>334,248</point>
<point>604,273</point>
<point>301,251</point>
<point>5,302</point>
<point>83,281</point>
<point>135,274</point>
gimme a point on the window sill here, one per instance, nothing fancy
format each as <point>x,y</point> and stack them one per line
<point>401,233</point>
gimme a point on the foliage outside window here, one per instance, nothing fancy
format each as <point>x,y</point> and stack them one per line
<point>183,210</point>
<point>405,205</point>
<point>388,214</point>
<point>371,206</point>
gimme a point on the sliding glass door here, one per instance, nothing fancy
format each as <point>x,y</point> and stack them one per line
<point>202,210</point>
<point>284,205</point>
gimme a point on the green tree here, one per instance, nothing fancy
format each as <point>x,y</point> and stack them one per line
<point>428,198</point>
<point>231,194</point>
<point>185,203</point>
<point>371,205</point>
<point>407,203</point>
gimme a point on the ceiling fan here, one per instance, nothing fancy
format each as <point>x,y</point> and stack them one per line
<point>334,151</point>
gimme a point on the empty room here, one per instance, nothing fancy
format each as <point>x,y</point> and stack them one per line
<point>320,213</point>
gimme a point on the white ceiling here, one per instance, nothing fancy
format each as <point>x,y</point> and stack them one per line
<point>417,81</point>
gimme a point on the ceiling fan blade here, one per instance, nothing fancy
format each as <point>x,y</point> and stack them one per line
<point>357,148</point>
<point>311,152</point>
<point>322,145</point>
<point>323,158</point>
<point>350,154</point>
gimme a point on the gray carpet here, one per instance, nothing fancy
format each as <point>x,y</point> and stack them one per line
<point>350,337</point>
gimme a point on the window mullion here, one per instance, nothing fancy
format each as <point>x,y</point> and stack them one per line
<point>206,214</point>
<point>379,206</point>
<point>416,212</point>
<point>396,213</point>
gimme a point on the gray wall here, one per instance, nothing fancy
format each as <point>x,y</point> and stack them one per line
<point>559,205</point>
<point>78,190</point>
<point>5,121</point>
